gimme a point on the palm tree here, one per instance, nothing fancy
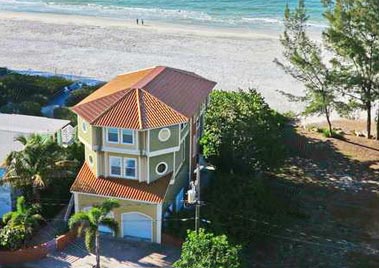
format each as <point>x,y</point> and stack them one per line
<point>40,160</point>
<point>90,221</point>
<point>26,217</point>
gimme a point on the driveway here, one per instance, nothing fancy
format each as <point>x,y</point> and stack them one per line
<point>115,253</point>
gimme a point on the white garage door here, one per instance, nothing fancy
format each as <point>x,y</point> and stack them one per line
<point>137,225</point>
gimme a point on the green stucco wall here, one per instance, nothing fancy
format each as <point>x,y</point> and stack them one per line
<point>153,162</point>
<point>156,144</point>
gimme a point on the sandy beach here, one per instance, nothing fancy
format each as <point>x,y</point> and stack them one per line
<point>102,48</point>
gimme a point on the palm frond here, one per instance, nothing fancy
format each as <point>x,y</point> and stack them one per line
<point>111,224</point>
<point>94,215</point>
<point>22,139</point>
<point>108,205</point>
<point>20,204</point>
<point>89,238</point>
<point>7,217</point>
<point>78,218</point>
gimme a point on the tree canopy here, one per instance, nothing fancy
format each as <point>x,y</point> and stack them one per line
<point>353,36</point>
<point>27,94</point>
<point>306,64</point>
<point>242,133</point>
<point>206,250</point>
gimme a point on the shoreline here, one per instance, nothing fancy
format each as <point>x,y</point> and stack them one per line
<point>102,48</point>
<point>81,20</point>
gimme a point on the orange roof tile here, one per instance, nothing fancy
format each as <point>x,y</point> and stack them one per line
<point>149,98</point>
<point>121,82</point>
<point>86,182</point>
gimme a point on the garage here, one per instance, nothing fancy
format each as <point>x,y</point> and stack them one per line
<point>137,225</point>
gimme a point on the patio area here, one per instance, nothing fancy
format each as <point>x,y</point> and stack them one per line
<point>115,253</point>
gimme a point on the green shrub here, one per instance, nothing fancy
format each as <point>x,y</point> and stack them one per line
<point>206,250</point>
<point>12,237</point>
<point>326,133</point>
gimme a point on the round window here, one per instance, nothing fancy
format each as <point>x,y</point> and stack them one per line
<point>164,134</point>
<point>161,168</point>
<point>90,158</point>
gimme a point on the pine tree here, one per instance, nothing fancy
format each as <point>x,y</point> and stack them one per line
<point>353,35</point>
<point>306,65</point>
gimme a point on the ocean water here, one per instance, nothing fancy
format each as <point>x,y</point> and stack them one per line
<point>229,13</point>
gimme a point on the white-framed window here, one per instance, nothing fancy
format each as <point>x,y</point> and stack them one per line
<point>127,136</point>
<point>161,168</point>
<point>115,166</point>
<point>112,135</point>
<point>84,126</point>
<point>164,134</point>
<point>90,159</point>
<point>130,168</point>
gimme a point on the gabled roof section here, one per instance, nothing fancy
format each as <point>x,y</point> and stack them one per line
<point>86,182</point>
<point>150,98</point>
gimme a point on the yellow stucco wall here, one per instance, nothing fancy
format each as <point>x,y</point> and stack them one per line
<point>125,206</point>
<point>88,154</point>
<point>86,136</point>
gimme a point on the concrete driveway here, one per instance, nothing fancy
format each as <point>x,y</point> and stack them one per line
<point>115,253</point>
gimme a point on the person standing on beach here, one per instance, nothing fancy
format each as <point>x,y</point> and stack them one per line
<point>142,21</point>
<point>137,21</point>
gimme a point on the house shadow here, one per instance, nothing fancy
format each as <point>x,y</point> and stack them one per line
<point>141,253</point>
<point>338,195</point>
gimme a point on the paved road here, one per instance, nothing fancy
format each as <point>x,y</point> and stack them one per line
<point>116,253</point>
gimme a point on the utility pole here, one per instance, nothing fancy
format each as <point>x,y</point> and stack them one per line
<point>193,195</point>
<point>198,204</point>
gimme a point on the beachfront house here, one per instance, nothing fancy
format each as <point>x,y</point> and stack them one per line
<point>141,133</point>
<point>14,125</point>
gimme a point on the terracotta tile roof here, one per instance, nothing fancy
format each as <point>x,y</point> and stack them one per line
<point>149,98</point>
<point>121,82</point>
<point>183,91</point>
<point>86,182</point>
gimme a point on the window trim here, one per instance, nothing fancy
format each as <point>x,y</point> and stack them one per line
<point>161,173</point>
<point>125,159</point>
<point>84,126</point>
<point>122,136</point>
<point>89,160</point>
<point>107,135</point>
<point>110,166</point>
<point>168,137</point>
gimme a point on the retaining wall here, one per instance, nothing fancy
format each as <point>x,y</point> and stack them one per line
<point>37,252</point>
